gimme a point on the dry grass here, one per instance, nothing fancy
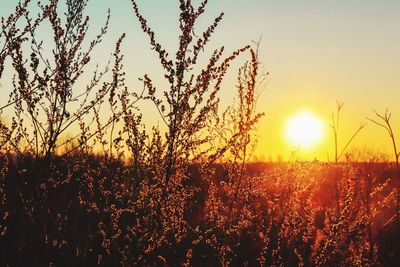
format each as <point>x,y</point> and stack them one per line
<point>184,196</point>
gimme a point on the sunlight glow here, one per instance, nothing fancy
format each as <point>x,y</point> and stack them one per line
<point>304,130</point>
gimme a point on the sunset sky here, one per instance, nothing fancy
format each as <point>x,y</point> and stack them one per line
<point>316,52</point>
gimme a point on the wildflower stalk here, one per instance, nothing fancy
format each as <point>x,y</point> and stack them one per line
<point>386,124</point>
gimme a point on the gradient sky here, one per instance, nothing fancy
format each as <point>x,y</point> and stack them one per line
<point>316,51</point>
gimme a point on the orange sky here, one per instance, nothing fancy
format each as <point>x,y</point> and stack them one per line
<point>316,51</point>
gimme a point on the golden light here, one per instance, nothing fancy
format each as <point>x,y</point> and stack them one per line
<point>304,130</point>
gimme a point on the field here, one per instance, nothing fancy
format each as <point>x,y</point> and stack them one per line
<point>87,210</point>
<point>87,179</point>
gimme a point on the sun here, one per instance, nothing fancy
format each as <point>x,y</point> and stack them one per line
<point>304,130</point>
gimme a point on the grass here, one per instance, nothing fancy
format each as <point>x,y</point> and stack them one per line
<point>86,210</point>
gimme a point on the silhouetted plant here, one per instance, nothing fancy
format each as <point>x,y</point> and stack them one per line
<point>385,123</point>
<point>335,127</point>
<point>161,165</point>
<point>45,95</point>
<point>11,34</point>
<point>191,97</point>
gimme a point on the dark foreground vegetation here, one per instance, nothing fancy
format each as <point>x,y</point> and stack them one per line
<point>85,211</point>
<point>182,193</point>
